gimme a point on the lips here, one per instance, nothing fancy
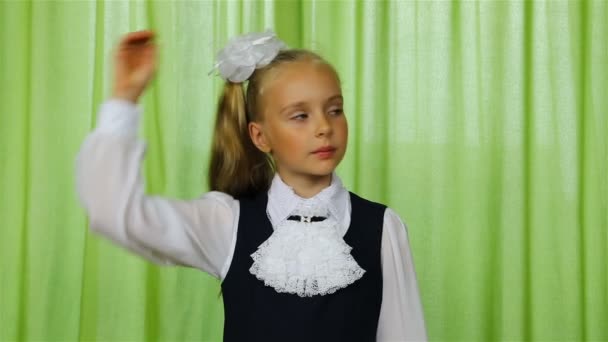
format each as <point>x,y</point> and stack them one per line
<point>326,152</point>
<point>324,149</point>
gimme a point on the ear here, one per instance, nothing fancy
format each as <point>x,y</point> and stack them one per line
<point>256,132</point>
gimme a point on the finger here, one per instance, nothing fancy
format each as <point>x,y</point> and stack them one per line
<point>140,34</point>
<point>138,37</point>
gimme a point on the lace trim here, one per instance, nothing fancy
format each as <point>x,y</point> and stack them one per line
<point>306,259</point>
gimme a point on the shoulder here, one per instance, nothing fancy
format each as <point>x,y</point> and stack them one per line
<point>220,200</point>
<point>368,212</point>
<point>218,196</point>
<point>357,200</point>
<point>255,201</point>
<point>392,220</point>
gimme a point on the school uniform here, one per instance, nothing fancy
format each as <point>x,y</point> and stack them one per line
<point>334,267</point>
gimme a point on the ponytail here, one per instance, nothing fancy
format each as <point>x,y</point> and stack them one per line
<point>236,167</point>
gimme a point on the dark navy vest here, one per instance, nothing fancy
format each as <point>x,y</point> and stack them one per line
<point>256,312</point>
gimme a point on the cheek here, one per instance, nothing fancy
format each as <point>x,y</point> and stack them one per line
<point>344,137</point>
<point>343,128</point>
<point>284,138</point>
<point>294,140</point>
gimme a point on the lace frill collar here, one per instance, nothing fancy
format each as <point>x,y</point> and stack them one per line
<point>307,258</point>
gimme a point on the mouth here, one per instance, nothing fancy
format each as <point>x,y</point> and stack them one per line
<point>324,152</point>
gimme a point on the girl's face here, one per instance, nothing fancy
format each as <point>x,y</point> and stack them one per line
<point>302,122</point>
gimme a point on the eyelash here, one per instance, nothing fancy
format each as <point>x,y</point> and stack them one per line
<point>302,116</point>
<point>337,111</point>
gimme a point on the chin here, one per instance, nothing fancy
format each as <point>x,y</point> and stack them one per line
<point>323,171</point>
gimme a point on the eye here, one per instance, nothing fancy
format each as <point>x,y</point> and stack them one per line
<point>336,111</point>
<point>299,116</point>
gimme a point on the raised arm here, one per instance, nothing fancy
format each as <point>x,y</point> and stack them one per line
<point>110,186</point>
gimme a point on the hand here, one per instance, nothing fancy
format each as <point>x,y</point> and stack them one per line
<point>135,64</point>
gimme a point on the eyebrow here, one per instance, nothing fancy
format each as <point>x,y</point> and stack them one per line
<point>297,104</point>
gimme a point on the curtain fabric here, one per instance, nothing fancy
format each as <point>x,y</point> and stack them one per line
<point>483,124</point>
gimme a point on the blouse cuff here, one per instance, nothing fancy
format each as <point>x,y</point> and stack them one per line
<point>118,116</point>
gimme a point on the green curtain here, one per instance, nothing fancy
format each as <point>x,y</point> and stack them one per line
<point>483,124</point>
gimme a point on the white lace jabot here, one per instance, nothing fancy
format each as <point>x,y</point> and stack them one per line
<point>306,258</point>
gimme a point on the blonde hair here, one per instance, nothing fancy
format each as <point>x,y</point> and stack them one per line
<point>237,166</point>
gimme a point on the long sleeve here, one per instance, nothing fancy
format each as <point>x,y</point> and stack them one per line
<point>197,233</point>
<point>401,315</point>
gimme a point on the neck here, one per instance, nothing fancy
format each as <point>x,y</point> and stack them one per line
<point>306,186</point>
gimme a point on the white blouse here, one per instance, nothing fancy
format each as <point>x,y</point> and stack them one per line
<point>201,232</point>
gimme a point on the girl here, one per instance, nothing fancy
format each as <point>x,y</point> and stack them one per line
<point>299,257</point>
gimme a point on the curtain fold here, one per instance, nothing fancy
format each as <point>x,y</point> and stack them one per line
<point>483,124</point>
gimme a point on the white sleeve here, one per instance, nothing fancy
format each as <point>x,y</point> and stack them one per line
<point>401,315</point>
<point>197,233</point>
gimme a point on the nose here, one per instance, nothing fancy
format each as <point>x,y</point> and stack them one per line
<point>323,125</point>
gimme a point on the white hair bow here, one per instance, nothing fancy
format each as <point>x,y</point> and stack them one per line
<point>243,54</point>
